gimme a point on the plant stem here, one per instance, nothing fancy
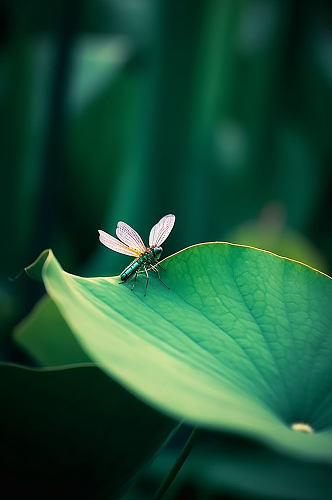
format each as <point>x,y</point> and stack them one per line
<point>177,466</point>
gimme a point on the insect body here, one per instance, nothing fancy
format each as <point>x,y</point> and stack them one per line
<point>148,259</point>
<point>131,244</point>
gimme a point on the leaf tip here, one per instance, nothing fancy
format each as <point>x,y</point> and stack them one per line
<point>34,270</point>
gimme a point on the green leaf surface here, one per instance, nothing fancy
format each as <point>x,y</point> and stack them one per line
<point>72,433</point>
<point>47,338</point>
<point>242,341</point>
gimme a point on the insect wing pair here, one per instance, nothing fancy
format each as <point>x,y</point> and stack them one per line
<point>130,243</point>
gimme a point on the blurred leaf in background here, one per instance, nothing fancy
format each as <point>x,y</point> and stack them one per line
<point>129,110</point>
<point>269,232</point>
<point>67,431</point>
<point>222,466</point>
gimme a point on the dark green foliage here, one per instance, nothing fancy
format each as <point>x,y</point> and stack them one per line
<point>67,432</point>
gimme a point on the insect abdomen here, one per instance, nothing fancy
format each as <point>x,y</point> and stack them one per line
<point>130,270</point>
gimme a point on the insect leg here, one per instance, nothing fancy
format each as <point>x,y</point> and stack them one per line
<point>161,267</point>
<point>134,282</point>
<point>156,270</point>
<point>147,280</point>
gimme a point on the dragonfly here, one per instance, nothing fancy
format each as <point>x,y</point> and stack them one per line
<point>146,258</point>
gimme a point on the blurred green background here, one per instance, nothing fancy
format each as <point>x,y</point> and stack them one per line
<point>216,111</point>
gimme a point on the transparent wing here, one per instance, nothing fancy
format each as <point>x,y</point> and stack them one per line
<point>129,236</point>
<point>160,231</point>
<point>116,245</point>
